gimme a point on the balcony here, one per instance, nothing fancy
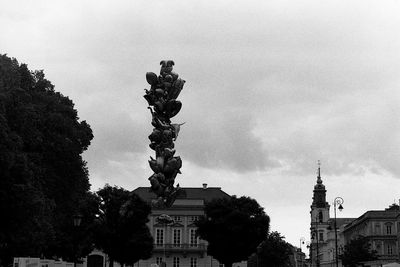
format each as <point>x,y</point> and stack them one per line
<point>389,257</point>
<point>180,248</point>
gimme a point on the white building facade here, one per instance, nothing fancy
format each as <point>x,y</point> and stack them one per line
<point>177,244</point>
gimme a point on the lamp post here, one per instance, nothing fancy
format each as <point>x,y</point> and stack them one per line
<point>338,201</point>
<point>258,251</point>
<point>302,240</point>
<point>77,219</point>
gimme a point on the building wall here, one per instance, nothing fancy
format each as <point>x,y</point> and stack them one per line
<point>398,236</point>
<point>181,250</point>
<point>382,230</point>
<point>182,247</point>
<point>175,244</point>
<point>299,257</point>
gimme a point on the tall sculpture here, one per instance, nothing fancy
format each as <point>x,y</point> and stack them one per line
<point>165,89</point>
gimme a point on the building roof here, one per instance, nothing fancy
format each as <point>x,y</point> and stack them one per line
<point>205,193</point>
<point>340,221</point>
<point>374,214</point>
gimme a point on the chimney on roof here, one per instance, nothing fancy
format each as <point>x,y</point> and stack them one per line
<point>204,186</point>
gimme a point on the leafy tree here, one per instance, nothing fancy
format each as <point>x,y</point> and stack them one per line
<point>233,228</point>
<point>122,232</point>
<point>43,177</point>
<point>358,250</point>
<point>82,237</point>
<point>274,251</point>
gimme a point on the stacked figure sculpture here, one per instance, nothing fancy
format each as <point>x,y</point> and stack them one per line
<point>165,89</point>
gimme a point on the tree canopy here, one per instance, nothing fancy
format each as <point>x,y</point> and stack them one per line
<point>44,179</point>
<point>122,232</point>
<point>356,251</point>
<point>233,227</point>
<point>274,251</point>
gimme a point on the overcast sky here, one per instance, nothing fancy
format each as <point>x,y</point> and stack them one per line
<point>271,87</point>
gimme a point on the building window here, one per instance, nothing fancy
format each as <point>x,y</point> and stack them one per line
<point>313,235</point>
<point>321,237</point>
<point>177,218</point>
<point>193,218</point>
<point>159,237</point>
<point>158,261</point>
<point>176,237</point>
<point>192,238</point>
<point>389,229</point>
<point>176,262</point>
<point>340,250</point>
<point>320,217</point>
<point>378,248</point>
<point>377,229</point>
<point>193,262</point>
<point>389,250</point>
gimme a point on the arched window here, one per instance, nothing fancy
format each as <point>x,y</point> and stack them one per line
<point>321,236</point>
<point>320,216</point>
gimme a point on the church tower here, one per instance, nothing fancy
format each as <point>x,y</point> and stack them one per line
<point>319,222</point>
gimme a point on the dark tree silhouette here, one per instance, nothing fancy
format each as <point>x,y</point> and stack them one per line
<point>122,232</point>
<point>356,251</point>
<point>274,251</point>
<point>233,227</point>
<point>43,177</point>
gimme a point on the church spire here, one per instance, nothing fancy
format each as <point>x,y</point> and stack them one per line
<point>319,198</point>
<point>319,180</point>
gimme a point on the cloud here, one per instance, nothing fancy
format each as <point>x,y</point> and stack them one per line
<point>350,130</point>
<point>224,141</point>
<point>118,150</point>
<point>272,85</point>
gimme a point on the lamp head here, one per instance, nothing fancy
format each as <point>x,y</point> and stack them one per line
<point>340,207</point>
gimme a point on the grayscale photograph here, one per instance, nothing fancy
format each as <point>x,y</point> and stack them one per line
<point>150,133</point>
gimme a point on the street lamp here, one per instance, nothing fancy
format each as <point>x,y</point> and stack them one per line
<point>338,201</point>
<point>77,219</point>
<point>314,236</point>
<point>308,246</point>
<point>302,239</point>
